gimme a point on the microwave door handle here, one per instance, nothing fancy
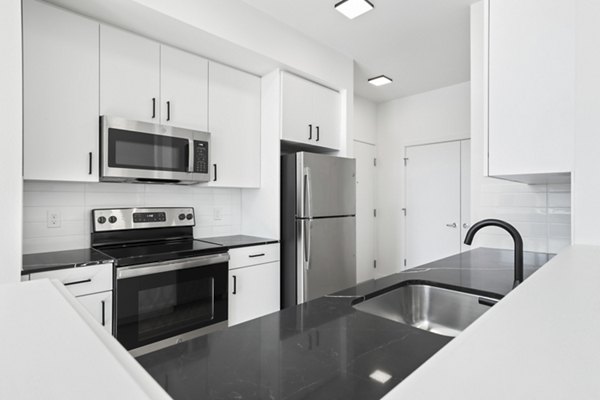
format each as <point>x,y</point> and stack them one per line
<point>191,156</point>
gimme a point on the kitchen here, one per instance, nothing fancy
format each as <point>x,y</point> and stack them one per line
<point>142,60</point>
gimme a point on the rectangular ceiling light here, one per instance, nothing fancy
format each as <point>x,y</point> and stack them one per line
<point>380,80</point>
<point>354,8</point>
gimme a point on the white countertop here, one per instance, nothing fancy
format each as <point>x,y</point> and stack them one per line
<point>542,341</point>
<point>50,348</point>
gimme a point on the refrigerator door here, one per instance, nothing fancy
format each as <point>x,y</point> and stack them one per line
<point>326,256</point>
<point>325,185</point>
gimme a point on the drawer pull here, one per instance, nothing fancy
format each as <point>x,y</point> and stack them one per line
<point>77,282</point>
<point>256,255</point>
<point>103,313</point>
<point>234,285</point>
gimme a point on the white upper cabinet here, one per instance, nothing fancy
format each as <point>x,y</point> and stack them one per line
<point>183,89</point>
<point>310,113</point>
<point>60,84</point>
<point>531,88</point>
<point>129,75</point>
<point>234,124</point>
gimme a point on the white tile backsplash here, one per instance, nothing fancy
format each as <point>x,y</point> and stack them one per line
<point>541,213</point>
<point>74,201</point>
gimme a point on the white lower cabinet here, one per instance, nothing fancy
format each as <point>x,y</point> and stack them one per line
<point>254,290</point>
<point>99,306</point>
<point>92,286</point>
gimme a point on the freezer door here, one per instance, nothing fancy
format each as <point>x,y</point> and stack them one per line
<point>326,256</point>
<point>326,185</point>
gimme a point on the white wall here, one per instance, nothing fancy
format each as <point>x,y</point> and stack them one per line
<point>11,139</point>
<point>438,115</point>
<point>541,213</point>
<point>365,120</point>
<point>74,201</point>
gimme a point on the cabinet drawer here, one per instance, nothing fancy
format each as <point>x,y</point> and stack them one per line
<point>83,280</point>
<point>252,255</point>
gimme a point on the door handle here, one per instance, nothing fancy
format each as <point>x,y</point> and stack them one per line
<point>168,110</point>
<point>215,175</point>
<point>234,285</point>
<point>307,226</point>
<point>103,312</point>
<point>317,133</point>
<point>307,193</point>
<point>309,131</point>
<point>452,225</point>
<point>190,155</point>
<point>90,161</point>
<point>153,107</point>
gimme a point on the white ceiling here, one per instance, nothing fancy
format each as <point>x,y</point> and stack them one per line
<point>421,44</point>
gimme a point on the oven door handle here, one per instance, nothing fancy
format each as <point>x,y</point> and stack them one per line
<point>172,265</point>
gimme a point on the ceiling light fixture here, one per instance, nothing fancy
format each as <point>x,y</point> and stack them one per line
<point>380,376</point>
<point>353,8</point>
<point>380,80</point>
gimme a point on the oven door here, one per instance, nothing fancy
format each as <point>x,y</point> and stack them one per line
<point>160,304</point>
<point>134,151</point>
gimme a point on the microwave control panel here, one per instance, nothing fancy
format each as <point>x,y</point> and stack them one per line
<point>201,156</point>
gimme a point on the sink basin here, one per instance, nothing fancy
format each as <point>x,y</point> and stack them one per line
<point>443,311</point>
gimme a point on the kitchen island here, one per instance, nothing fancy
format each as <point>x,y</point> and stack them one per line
<point>326,349</point>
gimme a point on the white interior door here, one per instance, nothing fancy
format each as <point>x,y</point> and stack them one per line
<point>465,191</point>
<point>432,202</point>
<point>365,204</point>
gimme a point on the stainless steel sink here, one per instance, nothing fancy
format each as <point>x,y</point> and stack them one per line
<point>434,309</point>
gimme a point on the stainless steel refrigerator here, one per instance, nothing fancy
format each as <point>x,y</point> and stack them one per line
<point>318,226</point>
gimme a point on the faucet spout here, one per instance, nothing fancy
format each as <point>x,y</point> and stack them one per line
<point>517,239</point>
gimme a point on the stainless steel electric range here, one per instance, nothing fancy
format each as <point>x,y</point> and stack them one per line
<point>169,287</point>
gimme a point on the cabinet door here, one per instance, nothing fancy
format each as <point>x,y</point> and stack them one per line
<point>60,83</point>
<point>531,86</point>
<point>253,292</point>
<point>465,192</point>
<point>234,115</point>
<point>297,109</point>
<point>327,117</point>
<point>129,75</point>
<point>183,89</point>
<point>100,307</point>
<point>432,202</point>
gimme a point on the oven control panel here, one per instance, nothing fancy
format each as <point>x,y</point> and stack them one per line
<point>104,220</point>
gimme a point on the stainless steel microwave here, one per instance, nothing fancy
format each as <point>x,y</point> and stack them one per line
<point>133,151</point>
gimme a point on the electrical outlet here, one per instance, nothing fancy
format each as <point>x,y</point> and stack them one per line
<point>217,213</point>
<point>53,219</point>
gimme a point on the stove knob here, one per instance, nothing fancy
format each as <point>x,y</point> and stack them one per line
<point>181,217</point>
<point>101,220</point>
<point>112,219</point>
<point>189,216</point>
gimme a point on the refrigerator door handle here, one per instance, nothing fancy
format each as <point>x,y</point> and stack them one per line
<point>307,193</point>
<point>307,227</point>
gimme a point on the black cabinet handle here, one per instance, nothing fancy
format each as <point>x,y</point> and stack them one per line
<point>234,285</point>
<point>215,172</point>
<point>317,133</point>
<point>103,313</point>
<point>309,131</point>
<point>154,107</point>
<point>90,165</point>
<point>168,110</point>
<point>487,302</point>
<point>77,282</point>
<point>256,255</point>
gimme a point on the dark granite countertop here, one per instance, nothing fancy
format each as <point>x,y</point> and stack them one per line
<point>238,241</point>
<point>39,262</point>
<point>325,349</point>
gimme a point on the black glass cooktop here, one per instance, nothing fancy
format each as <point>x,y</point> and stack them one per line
<point>133,254</point>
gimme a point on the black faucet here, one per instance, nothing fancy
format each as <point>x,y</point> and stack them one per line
<point>513,233</point>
